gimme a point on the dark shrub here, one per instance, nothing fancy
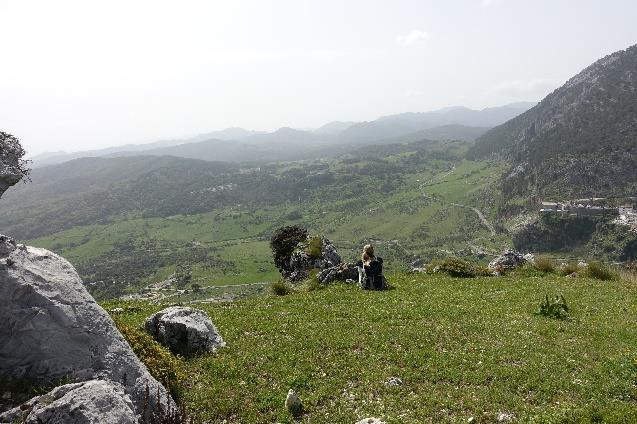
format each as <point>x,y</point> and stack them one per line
<point>283,242</point>
<point>280,288</point>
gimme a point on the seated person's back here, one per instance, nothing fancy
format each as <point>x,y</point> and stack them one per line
<point>373,267</point>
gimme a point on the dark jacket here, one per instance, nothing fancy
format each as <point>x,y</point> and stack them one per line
<point>374,278</point>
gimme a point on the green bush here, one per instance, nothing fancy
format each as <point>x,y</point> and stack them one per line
<point>600,271</point>
<point>554,308</point>
<point>458,268</point>
<point>164,366</point>
<point>314,246</point>
<point>544,264</point>
<point>280,288</point>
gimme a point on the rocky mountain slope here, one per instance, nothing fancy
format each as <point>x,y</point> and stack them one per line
<point>581,140</point>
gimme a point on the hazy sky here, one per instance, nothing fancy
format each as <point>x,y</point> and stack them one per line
<point>84,74</point>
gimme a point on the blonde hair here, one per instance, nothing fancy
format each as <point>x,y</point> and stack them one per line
<point>368,253</point>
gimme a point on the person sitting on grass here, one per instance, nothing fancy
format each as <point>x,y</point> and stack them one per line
<point>370,270</point>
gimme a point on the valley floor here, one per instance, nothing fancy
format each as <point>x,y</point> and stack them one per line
<point>462,347</point>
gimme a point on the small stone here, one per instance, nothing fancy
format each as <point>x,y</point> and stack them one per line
<point>572,275</point>
<point>293,404</point>
<point>117,310</point>
<point>471,419</point>
<point>394,382</point>
<point>505,417</point>
<point>371,421</point>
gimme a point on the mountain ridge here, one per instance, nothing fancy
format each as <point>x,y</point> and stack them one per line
<point>580,140</point>
<point>239,145</point>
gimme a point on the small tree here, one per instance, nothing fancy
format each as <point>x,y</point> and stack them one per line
<point>283,242</point>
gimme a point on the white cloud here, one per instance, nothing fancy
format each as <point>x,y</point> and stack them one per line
<point>412,38</point>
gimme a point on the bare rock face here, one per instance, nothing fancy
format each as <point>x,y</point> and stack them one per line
<point>301,262</point>
<point>89,402</point>
<point>12,167</point>
<point>508,260</point>
<point>53,329</point>
<point>341,272</point>
<point>185,331</point>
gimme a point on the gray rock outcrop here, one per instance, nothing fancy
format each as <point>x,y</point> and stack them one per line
<point>341,272</point>
<point>185,331</point>
<point>507,261</point>
<point>53,329</point>
<point>89,402</point>
<point>12,167</point>
<point>301,262</point>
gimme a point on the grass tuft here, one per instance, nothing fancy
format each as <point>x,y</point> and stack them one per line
<point>544,264</point>
<point>569,268</point>
<point>314,246</point>
<point>600,271</point>
<point>280,288</point>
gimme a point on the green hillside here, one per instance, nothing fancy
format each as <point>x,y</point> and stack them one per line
<point>462,347</point>
<point>411,200</point>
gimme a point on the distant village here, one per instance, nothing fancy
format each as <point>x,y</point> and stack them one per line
<point>623,215</point>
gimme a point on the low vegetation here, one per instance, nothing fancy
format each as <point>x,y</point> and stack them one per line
<point>569,268</point>
<point>555,307</point>
<point>600,271</point>
<point>459,268</point>
<point>168,369</point>
<point>280,288</point>
<point>544,264</point>
<point>462,347</point>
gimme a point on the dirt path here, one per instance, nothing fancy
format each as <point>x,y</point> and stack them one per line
<point>483,219</point>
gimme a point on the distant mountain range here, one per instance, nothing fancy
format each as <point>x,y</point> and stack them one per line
<point>580,141</point>
<point>405,123</point>
<point>240,145</point>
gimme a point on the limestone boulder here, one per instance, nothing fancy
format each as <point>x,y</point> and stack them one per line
<point>301,262</point>
<point>53,329</point>
<point>89,402</point>
<point>12,166</point>
<point>185,331</point>
<point>508,260</point>
<point>341,272</point>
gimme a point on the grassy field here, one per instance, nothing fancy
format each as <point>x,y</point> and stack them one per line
<point>462,347</point>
